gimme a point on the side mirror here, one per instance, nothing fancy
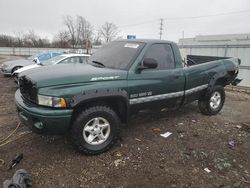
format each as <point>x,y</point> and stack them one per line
<point>148,63</point>
<point>35,60</point>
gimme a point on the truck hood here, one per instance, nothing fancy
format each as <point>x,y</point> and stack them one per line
<point>63,74</point>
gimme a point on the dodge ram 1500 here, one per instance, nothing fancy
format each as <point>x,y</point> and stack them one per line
<point>91,100</point>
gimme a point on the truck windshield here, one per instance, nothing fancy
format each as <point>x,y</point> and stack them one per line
<point>117,55</point>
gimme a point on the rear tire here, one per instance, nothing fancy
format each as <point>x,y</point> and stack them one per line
<point>214,102</point>
<point>95,129</point>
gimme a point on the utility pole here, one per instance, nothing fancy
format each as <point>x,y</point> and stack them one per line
<point>182,37</point>
<point>161,27</point>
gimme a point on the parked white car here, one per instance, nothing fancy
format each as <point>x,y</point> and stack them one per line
<point>61,59</point>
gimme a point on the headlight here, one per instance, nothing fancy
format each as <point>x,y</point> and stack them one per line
<point>3,65</point>
<point>51,101</point>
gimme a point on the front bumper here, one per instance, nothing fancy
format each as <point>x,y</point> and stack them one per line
<point>42,120</point>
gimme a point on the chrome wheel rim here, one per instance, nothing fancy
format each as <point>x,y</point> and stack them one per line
<point>215,100</point>
<point>96,131</point>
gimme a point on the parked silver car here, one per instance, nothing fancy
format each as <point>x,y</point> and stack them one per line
<point>61,59</point>
<point>8,67</point>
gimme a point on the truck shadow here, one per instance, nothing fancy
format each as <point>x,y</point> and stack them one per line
<point>153,117</point>
<point>137,126</point>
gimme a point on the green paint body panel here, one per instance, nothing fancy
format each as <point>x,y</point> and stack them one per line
<point>68,81</point>
<point>54,121</point>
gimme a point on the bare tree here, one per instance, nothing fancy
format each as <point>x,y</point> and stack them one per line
<point>6,41</point>
<point>61,40</point>
<point>43,42</point>
<point>72,30</point>
<point>18,39</point>
<point>79,30</point>
<point>85,28</point>
<point>109,31</point>
<point>85,31</point>
<point>31,39</point>
<point>97,38</point>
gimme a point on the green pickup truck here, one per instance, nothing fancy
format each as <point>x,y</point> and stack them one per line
<point>90,101</point>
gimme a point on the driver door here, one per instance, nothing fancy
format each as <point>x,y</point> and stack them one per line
<point>162,86</point>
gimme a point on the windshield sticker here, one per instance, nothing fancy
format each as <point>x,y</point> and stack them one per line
<point>131,45</point>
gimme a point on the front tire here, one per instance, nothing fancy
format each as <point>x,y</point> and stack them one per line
<point>95,129</point>
<point>214,102</point>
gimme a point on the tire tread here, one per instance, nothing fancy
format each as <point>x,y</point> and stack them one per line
<point>85,113</point>
<point>204,105</point>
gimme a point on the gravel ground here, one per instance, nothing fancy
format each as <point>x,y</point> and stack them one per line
<point>142,158</point>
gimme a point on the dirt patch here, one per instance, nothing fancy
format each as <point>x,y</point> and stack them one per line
<point>142,158</point>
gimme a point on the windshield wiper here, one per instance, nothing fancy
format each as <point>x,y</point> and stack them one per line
<point>98,63</point>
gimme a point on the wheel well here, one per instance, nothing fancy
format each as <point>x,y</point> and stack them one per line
<point>16,67</point>
<point>227,79</point>
<point>118,104</point>
<point>221,81</point>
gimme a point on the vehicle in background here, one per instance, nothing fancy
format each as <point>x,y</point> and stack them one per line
<point>91,101</point>
<point>8,67</point>
<point>61,59</point>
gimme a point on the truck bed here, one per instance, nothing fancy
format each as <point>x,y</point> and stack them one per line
<point>197,59</point>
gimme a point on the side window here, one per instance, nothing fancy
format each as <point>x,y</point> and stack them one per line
<point>44,57</point>
<point>71,60</point>
<point>65,61</point>
<point>163,54</point>
<point>55,54</point>
<point>83,59</point>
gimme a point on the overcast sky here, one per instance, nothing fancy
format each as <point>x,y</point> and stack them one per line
<point>138,17</point>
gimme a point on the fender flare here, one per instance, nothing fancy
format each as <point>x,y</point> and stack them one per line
<point>99,94</point>
<point>214,79</point>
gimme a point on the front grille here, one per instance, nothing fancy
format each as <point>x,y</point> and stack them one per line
<point>28,89</point>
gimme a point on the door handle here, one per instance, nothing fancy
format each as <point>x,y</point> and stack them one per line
<point>176,76</point>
